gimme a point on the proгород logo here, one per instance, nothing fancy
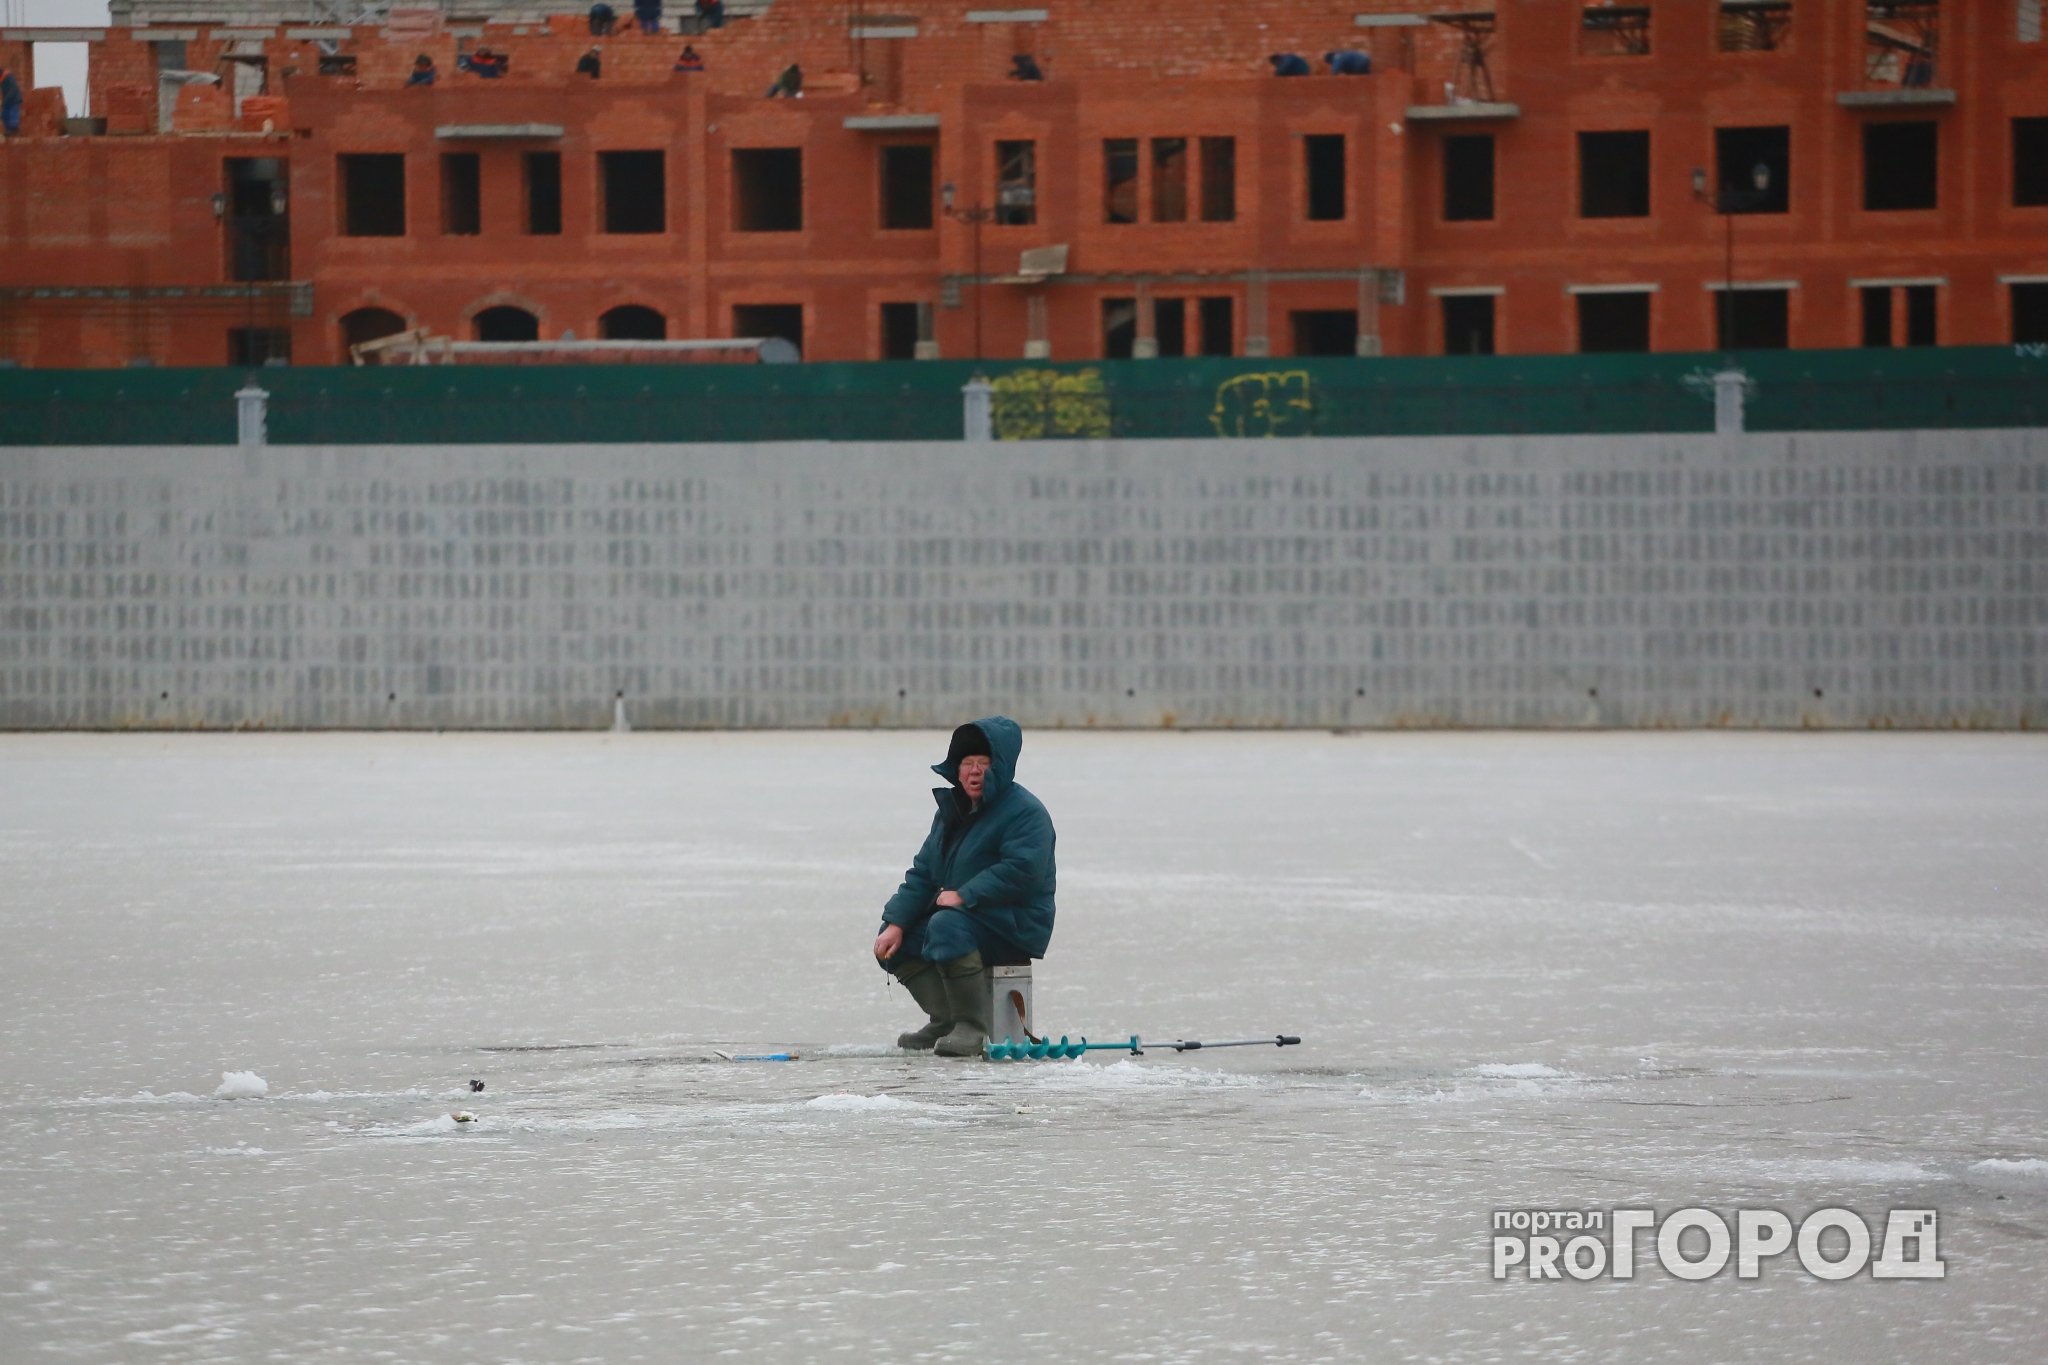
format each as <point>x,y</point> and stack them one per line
<point>1832,1244</point>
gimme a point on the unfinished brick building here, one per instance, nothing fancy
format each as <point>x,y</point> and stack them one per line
<point>1543,177</point>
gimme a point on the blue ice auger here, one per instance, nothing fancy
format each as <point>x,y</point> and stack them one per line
<point>1042,1049</point>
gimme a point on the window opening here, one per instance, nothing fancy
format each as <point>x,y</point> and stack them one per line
<point>1468,324</point>
<point>2029,162</point>
<point>461,194</point>
<point>258,226</point>
<point>1325,331</point>
<point>1170,326</point>
<point>635,191</point>
<point>1219,334</point>
<point>1119,328</point>
<point>1900,161</point>
<point>543,171</point>
<point>1016,183</point>
<point>1901,43</point>
<point>1755,25</point>
<point>2029,314</point>
<point>1614,175</point>
<point>899,331</point>
<point>1877,315</point>
<point>632,322</point>
<point>506,323</point>
<point>1753,320</point>
<point>1737,154</point>
<point>1219,179</point>
<point>1120,180</point>
<point>367,324</point>
<point>785,320</point>
<point>1468,179</point>
<point>1614,322</point>
<point>768,189</point>
<point>251,346</point>
<point>373,194</point>
<point>1324,154</point>
<point>907,187</point>
<point>1614,31</point>
<point>1169,180</point>
<point>1920,330</point>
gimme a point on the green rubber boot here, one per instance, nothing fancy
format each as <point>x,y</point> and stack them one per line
<point>968,1005</point>
<point>925,987</point>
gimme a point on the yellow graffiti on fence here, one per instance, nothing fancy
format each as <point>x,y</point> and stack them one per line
<point>1034,404</point>
<point>1276,403</point>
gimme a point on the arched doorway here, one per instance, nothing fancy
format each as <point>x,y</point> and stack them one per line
<point>631,322</point>
<point>367,324</point>
<point>506,323</point>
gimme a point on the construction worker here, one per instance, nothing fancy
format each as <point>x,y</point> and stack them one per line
<point>980,892</point>
<point>10,102</point>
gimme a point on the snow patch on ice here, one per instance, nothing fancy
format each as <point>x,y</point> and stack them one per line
<point>849,1103</point>
<point>241,1085</point>
<point>856,1050</point>
<point>1514,1071</point>
<point>2032,1168</point>
<point>1129,1074</point>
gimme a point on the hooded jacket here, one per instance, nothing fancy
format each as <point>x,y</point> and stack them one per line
<point>999,857</point>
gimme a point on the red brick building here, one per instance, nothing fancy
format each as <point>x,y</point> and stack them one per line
<point>1548,176</point>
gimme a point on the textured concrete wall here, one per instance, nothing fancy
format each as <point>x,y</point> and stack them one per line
<point>1841,579</point>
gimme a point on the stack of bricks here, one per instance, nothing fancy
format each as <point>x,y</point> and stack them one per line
<point>42,113</point>
<point>264,113</point>
<point>129,108</point>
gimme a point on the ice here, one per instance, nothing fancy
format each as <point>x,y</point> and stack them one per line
<point>241,1085</point>
<point>1584,971</point>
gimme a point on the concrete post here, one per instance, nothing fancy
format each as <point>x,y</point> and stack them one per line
<point>252,426</point>
<point>1728,386</point>
<point>977,410</point>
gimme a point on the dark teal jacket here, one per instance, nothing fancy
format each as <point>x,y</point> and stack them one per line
<point>999,858</point>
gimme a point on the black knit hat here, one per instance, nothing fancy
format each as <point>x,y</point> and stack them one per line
<point>968,739</point>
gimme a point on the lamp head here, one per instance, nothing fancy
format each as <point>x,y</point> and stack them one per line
<point>1760,176</point>
<point>220,207</point>
<point>278,199</point>
<point>946,196</point>
<point>1699,180</point>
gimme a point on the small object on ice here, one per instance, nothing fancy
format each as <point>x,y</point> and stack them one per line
<point>463,1116</point>
<point>755,1056</point>
<point>476,1087</point>
<point>242,1085</point>
<point>1021,1109</point>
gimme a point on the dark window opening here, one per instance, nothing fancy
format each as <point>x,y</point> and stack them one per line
<point>1468,324</point>
<point>1899,164</point>
<point>337,63</point>
<point>900,327</point>
<point>543,193</point>
<point>1614,175</point>
<point>258,227</point>
<point>1920,315</point>
<point>1753,319</point>
<point>2029,162</point>
<point>462,212</point>
<point>1614,31</point>
<point>1614,322</point>
<point>1219,179</point>
<point>367,324</point>
<point>1325,166</point>
<point>1119,328</point>
<point>373,194</point>
<point>1169,180</point>
<point>259,346</point>
<point>785,320</point>
<point>635,188</point>
<point>1326,331</point>
<point>1737,154</point>
<point>1468,179</point>
<point>907,187</point>
<point>1170,326</point>
<point>1120,180</point>
<point>2029,314</point>
<point>632,322</point>
<point>1877,315</point>
<point>1219,336</point>
<point>505,323</point>
<point>1016,183</point>
<point>1755,25</point>
<point>768,189</point>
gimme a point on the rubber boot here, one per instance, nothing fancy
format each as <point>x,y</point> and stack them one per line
<point>969,1007</point>
<point>925,987</point>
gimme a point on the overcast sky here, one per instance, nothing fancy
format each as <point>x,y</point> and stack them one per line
<point>64,65</point>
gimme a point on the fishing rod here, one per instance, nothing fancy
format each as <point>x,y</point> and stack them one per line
<point>1042,1049</point>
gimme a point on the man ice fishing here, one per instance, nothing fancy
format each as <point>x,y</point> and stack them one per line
<point>979,893</point>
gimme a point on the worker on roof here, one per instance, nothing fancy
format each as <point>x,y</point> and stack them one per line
<point>790,83</point>
<point>648,13</point>
<point>603,18</point>
<point>1289,64</point>
<point>1349,63</point>
<point>591,63</point>
<point>1024,67</point>
<point>423,72</point>
<point>978,894</point>
<point>10,102</point>
<point>712,13</point>
<point>690,60</point>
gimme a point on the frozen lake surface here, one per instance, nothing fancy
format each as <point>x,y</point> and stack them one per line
<point>1533,971</point>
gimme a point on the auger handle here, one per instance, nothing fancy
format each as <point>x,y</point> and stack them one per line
<point>1277,1040</point>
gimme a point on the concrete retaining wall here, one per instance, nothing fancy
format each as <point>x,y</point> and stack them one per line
<point>1837,579</point>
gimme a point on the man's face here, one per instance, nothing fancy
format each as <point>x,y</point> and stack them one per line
<point>973,772</point>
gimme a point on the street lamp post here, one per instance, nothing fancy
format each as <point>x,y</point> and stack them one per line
<point>975,214</point>
<point>1728,203</point>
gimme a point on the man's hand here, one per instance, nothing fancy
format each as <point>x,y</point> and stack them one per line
<point>888,941</point>
<point>948,900</point>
